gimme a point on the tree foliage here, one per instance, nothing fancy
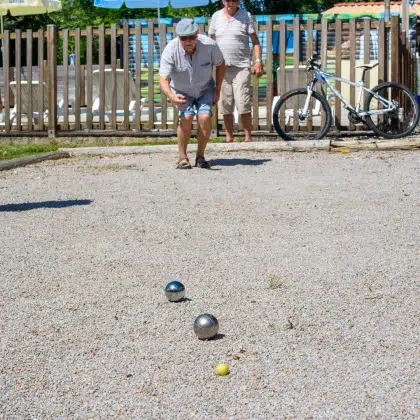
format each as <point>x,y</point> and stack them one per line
<point>281,7</point>
<point>82,13</point>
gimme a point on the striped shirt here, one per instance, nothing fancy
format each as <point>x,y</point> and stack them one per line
<point>190,75</point>
<point>232,36</point>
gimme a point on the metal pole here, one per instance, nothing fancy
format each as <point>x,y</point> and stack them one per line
<point>387,10</point>
<point>2,40</point>
<point>404,12</point>
<point>2,31</point>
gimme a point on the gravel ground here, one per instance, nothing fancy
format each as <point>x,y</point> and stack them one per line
<point>309,261</point>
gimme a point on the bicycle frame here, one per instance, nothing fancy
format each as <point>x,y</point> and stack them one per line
<point>323,78</point>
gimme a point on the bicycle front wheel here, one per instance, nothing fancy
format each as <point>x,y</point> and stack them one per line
<point>291,123</point>
<point>395,124</point>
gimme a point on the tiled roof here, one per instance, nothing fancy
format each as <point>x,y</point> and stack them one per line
<point>369,8</point>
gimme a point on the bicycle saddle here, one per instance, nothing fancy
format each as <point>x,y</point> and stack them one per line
<point>366,66</point>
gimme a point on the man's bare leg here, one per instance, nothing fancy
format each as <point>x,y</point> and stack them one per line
<point>228,119</point>
<point>246,120</point>
<point>203,133</point>
<point>184,134</point>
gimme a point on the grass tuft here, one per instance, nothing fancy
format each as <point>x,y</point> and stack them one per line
<point>290,325</point>
<point>276,282</point>
<point>110,167</point>
<point>17,151</point>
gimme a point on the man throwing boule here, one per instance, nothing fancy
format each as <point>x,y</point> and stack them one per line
<point>186,78</point>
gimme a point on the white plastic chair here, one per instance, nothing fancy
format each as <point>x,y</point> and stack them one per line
<point>24,101</point>
<point>119,76</point>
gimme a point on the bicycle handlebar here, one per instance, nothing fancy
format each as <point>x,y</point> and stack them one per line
<point>312,61</point>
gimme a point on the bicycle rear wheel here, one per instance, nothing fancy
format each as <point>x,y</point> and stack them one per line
<point>291,124</point>
<point>398,123</point>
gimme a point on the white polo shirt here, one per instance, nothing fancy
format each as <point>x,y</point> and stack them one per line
<point>232,36</point>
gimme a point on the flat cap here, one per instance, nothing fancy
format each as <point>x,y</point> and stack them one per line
<point>186,27</point>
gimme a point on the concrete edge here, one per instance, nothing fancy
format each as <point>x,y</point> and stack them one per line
<point>261,147</point>
<point>395,144</point>
<point>28,160</point>
<point>278,146</point>
<point>212,147</point>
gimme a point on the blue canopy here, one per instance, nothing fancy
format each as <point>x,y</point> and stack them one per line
<point>150,4</point>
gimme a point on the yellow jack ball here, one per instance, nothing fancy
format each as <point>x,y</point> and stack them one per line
<point>222,369</point>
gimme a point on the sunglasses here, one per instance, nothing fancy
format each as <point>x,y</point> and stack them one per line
<point>188,38</point>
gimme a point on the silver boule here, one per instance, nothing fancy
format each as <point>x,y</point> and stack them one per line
<point>175,291</point>
<point>206,326</point>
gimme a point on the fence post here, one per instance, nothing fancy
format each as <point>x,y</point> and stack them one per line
<point>269,72</point>
<point>382,46</point>
<point>324,56</point>
<point>296,61</point>
<point>324,44</point>
<point>18,98</point>
<point>352,62</point>
<point>255,95</point>
<point>127,93</point>
<point>6,73</point>
<point>101,60</point>
<point>77,102</point>
<point>11,78</point>
<point>41,79</point>
<point>337,104</point>
<point>150,73</point>
<point>52,80</point>
<point>163,98</point>
<point>309,53</point>
<point>395,48</point>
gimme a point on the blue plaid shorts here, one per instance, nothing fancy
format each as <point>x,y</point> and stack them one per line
<point>201,105</point>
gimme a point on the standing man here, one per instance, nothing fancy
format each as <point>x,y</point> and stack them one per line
<point>232,27</point>
<point>186,79</point>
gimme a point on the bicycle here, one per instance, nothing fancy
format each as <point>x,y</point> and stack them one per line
<point>390,109</point>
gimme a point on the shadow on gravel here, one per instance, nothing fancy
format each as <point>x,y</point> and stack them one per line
<point>218,336</point>
<point>44,204</point>
<point>238,161</point>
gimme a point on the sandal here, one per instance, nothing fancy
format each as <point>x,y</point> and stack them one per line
<point>183,163</point>
<point>201,162</point>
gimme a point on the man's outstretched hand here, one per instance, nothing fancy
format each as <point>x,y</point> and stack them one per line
<point>179,99</point>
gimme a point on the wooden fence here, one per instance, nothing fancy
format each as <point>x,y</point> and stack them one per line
<point>102,92</point>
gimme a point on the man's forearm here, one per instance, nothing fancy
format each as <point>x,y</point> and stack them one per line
<point>220,75</point>
<point>257,51</point>
<point>164,87</point>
